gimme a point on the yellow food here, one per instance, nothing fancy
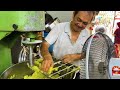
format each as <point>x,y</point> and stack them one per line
<point>51,74</point>
<point>39,60</point>
<point>35,75</point>
<point>38,74</point>
<point>11,77</point>
<point>51,69</point>
<point>55,76</point>
<point>35,68</point>
<point>36,63</point>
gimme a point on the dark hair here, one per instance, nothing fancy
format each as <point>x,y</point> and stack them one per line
<point>93,12</point>
<point>76,12</point>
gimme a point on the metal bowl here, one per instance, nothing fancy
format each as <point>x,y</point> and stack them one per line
<point>19,70</point>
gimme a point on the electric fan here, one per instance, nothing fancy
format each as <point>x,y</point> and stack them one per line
<point>98,48</point>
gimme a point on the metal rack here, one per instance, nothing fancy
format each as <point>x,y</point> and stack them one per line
<point>65,71</point>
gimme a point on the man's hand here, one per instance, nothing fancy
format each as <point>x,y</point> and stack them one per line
<point>69,58</point>
<point>47,63</point>
<point>47,58</point>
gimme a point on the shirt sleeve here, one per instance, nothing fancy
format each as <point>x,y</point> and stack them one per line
<point>53,35</point>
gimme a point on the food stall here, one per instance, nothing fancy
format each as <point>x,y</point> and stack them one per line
<point>28,24</point>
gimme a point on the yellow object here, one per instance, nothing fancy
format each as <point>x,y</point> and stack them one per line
<point>51,69</point>
<point>35,68</point>
<point>11,77</point>
<point>36,63</point>
<point>35,75</point>
<point>38,74</point>
<point>39,60</point>
<point>55,76</point>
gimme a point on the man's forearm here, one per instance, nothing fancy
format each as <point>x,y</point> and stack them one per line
<point>45,53</point>
<point>44,50</point>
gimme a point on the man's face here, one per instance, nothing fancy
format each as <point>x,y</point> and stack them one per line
<point>81,20</point>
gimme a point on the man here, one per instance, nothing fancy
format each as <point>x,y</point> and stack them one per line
<point>68,39</point>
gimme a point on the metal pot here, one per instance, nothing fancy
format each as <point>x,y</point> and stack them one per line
<point>19,70</point>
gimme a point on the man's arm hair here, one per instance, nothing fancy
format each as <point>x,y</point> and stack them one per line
<point>44,49</point>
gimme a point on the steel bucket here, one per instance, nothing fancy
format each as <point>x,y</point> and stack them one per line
<point>19,70</point>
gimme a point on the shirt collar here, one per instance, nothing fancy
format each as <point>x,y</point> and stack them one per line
<point>67,29</point>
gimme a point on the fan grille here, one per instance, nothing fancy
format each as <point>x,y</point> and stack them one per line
<point>98,58</point>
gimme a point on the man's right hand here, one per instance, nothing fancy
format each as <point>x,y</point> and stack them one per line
<point>46,64</point>
<point>47,58</point>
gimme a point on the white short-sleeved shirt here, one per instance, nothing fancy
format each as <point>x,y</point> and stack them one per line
<point>60,36</point>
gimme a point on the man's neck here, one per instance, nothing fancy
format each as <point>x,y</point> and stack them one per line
<point>74,35</point>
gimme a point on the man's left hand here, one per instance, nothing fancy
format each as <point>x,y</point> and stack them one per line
<point>69,58</point>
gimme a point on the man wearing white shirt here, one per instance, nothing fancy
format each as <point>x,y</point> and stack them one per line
<point>68,39</point>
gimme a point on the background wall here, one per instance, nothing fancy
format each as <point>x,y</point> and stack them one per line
<point>63,16</point>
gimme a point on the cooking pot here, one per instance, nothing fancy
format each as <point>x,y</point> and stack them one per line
<point>19,70</point>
